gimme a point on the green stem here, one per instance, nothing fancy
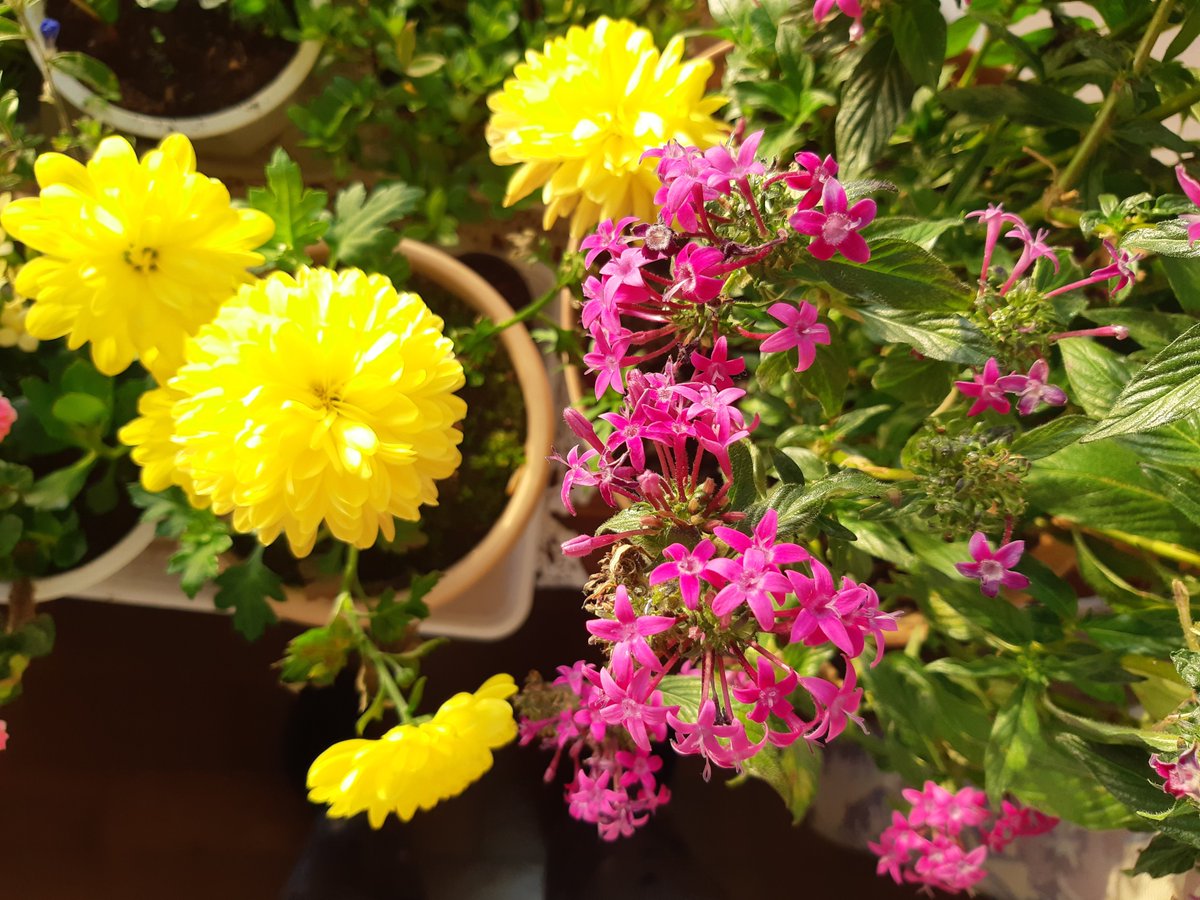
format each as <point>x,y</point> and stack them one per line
<point>1183,604</point>
<point>1159,548</point>
<point>350,570</point>
<point>532,309</point>
<point>1091,142</point>
<point>1177,104</point>
<point>862,464</point>
<point>968,75</point>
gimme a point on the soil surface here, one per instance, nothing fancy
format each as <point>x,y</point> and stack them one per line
<point>186,62</point>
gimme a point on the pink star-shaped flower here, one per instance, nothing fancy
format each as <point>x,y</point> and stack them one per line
<point>800,330</point>
<point>687,566</point>
<point>834,229</point>
<point>628,631</point>
<point>717,369</point>
<point>987,392</point>
<point>992,569</point>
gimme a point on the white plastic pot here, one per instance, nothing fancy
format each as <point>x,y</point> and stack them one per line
<point>77,582</point>
<point>488,593</point>
<point>239,129</point>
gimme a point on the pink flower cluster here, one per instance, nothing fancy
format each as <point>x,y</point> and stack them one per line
<point>661,285</point>
<point>946,837</point>
<point>1034,247</point>
<point>1191,188</point>
<point>614,785</point>
<point>852,8</point>
<point>1181,775</point>
<point>989,387</point>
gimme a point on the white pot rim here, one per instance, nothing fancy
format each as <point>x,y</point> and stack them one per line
<point>217,124</point>
<point>74,582</point>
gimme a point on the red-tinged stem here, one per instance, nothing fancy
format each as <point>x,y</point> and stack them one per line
<point>741,657</point>
<point>665,671</point>
<point>744,186</point>
<point>1008,529</point>
<point>771,656</point>
<point>705,676</point>
<point>727,713</point>
<point>698,199</point>
<point>638,360</point>
<point>696,468</point>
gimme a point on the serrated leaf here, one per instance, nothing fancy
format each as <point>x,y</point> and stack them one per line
<point>1187,664</point>
<point>1165,856</point>
<point>1022,102</point>
<point>295,209</point>
<point>1047,439</point>
<point>197,561</point>
<point>1165,389</point>
<point>899,274</point>
<point>875,99</point>
<point>1014,734</point>
<point>1179,485</point>
<point>361,228</point>
<point>1165,239</point>
<point>937,335</point>
<point>627,519</point>
<point>1048,589</point>
<point>799,505</point>
<point>919,29</point>
<point>245,588</point>
<point>1101,486</point>
<point>744,490</point>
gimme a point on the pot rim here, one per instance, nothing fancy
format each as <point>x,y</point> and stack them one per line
<point>258,105</point>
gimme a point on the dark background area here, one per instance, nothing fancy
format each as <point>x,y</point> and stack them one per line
<point>154,755</point>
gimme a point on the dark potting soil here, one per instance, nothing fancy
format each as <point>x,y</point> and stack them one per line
<point>186,62</point>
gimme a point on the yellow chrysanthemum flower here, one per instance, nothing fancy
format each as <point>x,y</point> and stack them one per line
<point>416,766</point>
<point>579,115</point>
<point>321,398</point>
<point>136,256</point>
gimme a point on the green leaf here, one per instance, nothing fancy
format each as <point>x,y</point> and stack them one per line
<point>319,654</point>
<point>1187,664</point>
<point>792,771</point>
<point>745,489</point>
<point>1184,277</point>
<point>89,70</point>
<point>15,480</point>
<point>629,519</point>
<point>391,621</point>
<point>682,691</point>
<point>1013,739</point>
<point>1048,439</point>
<point>295,209</point>
<point>919,29</point>
<point>1124,771</point>
<point>1024,102</point>
<point>922,232</point>
<point>197,561</point>
<point>1046,587</point>
<point>875,99</point>
<point>244,587</point>
<point>799,505</point>
<point>361,228</point>
<point>787,469</point>
<point>1178,485</point>
<point>1165,856</point>
<point>1165,389</point>
<point>1101,486</point>
<point>59,489</point>
<point>81,410</point>
<point>827,377</point>
<point>937,335</point>
<point>900,274</point>
<point>1165,239</point>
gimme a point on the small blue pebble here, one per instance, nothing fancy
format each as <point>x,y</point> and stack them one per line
<point>50,29</point>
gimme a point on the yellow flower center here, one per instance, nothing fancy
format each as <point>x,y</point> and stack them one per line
<point>143,260</point>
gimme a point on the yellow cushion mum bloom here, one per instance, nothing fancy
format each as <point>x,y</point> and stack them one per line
<point>579,115</point>
<point>321,398</point>
<point>416,766</point>
<point>136,255</point>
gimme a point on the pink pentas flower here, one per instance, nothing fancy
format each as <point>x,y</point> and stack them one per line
<point>683,172</point>
<point>628,631</point>
<point>800,330</point>
<point>834,229</point>
<point>947,865</point>
<point>621,277</point>
<point>823,614</point>
<point>864,615</point>
<point>578,473</point>
<point>632,702</point>
<point>987,392</point>
<point>1035,248</point>
<point>1016,821</point>
<point>811,178</point>
<point>590,798</point>
<point>993,569</point>
<point>712,404</point>
<point>609,237</point>
<point>993,219</point>
<point>767,694</point>
<point>751,579</point>
<point>942,810</point>
<point>852,8</point>
<point>896,845</point>
<point>1120,268</point>
<point>705,736</point>
<point>687,566</point>
<point>697,274</point>
<point>640,766</point>
<point>8,416</point>
<point>627,433</point>
<point>1033,389</point>
<point>717,368</point>
<point>1191,187</point>
<point>726,168</point>
<point>763,538</point>
<point>1182,775</point>
<point>835,705</point>
<point>605,360</point>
